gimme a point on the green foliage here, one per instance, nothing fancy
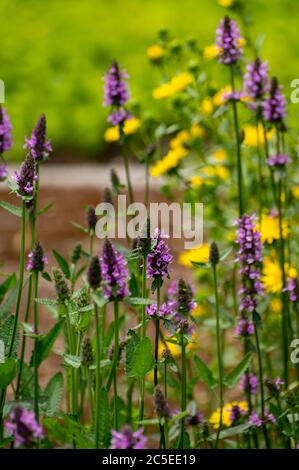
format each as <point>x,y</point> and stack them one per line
<point>234,376</point>
<point>54,391</point>
<point>205,373</point>
<point>45,345</point>
<point>143,360</point>
<point>7,372</point>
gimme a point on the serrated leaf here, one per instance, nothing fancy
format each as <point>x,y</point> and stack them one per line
<point>63,264</point>
<point>45,301</point>
<point>130,348</point>
<point>140,301</point>
<point>143,360</point>
<point>54,391</point>
<point>6,307</point>
<point>234,376</point>
<point>73,361</point>
<point>8,284</point>
<point>104,419</point>
<point>7,372</point>
<point>205,372</point>
<point>6,334</point>
<point>45,345</point>
<point>17,211</point>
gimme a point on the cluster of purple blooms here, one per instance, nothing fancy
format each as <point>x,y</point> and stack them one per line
<point>159,258</point>
<point>256,81</point>
<point>236,413</point>
<point>36,259</point>
<point>23,427</point>
<point>181,301</point>
<point>256,421</point>
<point>164,311</point>
<point>128,439</point>
<point>249,383</point>
<point>293,289</point>
<point>5,141</point>
<point>249,256</point>
<point>114,273</point>
<point>228,41</point>
<point>26,178</point>
<point>116,94</point>
<point>274,106</point>
<point>279,161</point>
<point>38,145</point>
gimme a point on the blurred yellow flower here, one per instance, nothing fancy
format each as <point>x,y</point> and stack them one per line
<point>155,52</point>
<point>218,171</point>
<point>196,181</point>
<point>175,349</point>
<point>211,51</point>
<point>253,137</point>
<point>219,97</point>
<point>200,254</point>
<point>207,105</point>
<point>150,375</point>
<point>194,344</point>
<point>269,228</point>
<point>199,311</point>
<point>225,3</point>
<point>179,139</point>
<point>175,85</point>
<point>272,276</point>
<point>241,42</point>
<point>275,306</point>
<point>220,155</point>
<point>295,192</point>
<point>226,414</point>
<point>130,127</point>
<point>197,131</point>
<point>168,162</point>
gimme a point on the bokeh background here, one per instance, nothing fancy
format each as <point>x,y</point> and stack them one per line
<point>53,54</point>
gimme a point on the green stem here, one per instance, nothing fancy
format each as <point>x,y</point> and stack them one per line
<point>239,162</point>
<point>35,312</point>
<point>183,391</point>
<point>219,355</point>
<point>116,354</point>
<point>157,325</point>
<point>143,335</point>
<point>98,377</point>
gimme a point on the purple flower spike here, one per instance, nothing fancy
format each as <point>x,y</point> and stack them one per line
<point>227,40</point>
<point>249,383</point>
<point>244,327</point>
<point>256,421</point>
<point>274,106</point>
<point>116,94</point>
<point>165,310</point>
<point>293,289</point>
<point>3,171</point>
<point>26,177</point>
<point>38,145</point>
<point>236,413</point>
<point>127,439</point>
<point>37,259</point>
<point>279,161</point>
<point>22,425</point>
<point>256,80</point>
<point>159,259</point>
<point>5,131</point>
<point>114,273</point>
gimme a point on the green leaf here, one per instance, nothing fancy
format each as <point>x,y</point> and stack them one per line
<point>45,345</point>
<point>8,284</point>
<point>6,307</point>
<point>104,419</point>
<point>80,227</point>
<point>99,299</point>
<point>46,208</point>
<point>224,254</point>
<point>73,361</point>
<point>142,361</point>
<point>205,373</point>
<point>54,391</point>
<point>140,301</point>
<point>201,265</point>
<point>46,276</point>
<point>234,376</point>
<point>8,371</point>
<point>178,417</point>
<point>63,264</point>
<point>6,334</point>
<point>11,208</point>
<point>46,301</point>
<point>233,431</point>
<point>130,348</point>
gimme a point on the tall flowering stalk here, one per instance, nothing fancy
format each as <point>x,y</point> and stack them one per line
<point>114,277</point>
<point>35,265</point>
<point>249,256</point>
<point>94,278</point>
<point>91,221</point>
<point>116,95</point>
<point>5,141</point>
<point>228,43</point>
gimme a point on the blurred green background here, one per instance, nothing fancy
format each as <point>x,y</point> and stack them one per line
<point>53,54</point>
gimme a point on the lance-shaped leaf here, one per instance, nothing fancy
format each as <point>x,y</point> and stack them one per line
<point>45,345</point>
<point>234,376</point>
<point>17,211</point>
<point>63,264</point>
<point>205,372</point>
<point>7,372</point>
<point>143,360</point>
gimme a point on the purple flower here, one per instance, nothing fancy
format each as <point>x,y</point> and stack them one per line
<point>36,259</point>
<point>181,301</point>
<point>114,272</point>
<point>159,259</point>
<point>256,421</point>
<point>26,177</point>
<point>116,94</point>
<point>233,95</point>
<point>91,218</point>
<point>293,289</point>
<point>165,310</point>
<point>274,106</point>
<point>228,41</point>
<point>236,413</point>
<point>5,131</point>
<point>23,427</point>
<point>274,386</point>
<point>127,439</point>
<point>118,117</point>
<point>3,170</point>
<point>94,275</point>
<point>161,405</point>
<point>279,161</point>
<point>38,145</point>
<point>194,418</point>
<point>249,383</point>
<point>256,80</point>
<point>244,327</point>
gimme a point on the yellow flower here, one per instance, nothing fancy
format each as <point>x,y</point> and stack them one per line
<point>150,375</point>
<point>241,42</point>
<point>196,181</point>
<point>130,127</point>
<point>193,345</point>
<point>175,349</point>
<point>275,306</point>
<point>219,171</point>
<point>269,228</point>
<point>220,155</point>
<point>272,276</point>
<point>174,86</point>
<point>295,192</point>
<point>211,51</point>
<point>252,137</point>
<point>179,139</point>
<point>199,311</point>
<point>197,131</point>
<point>207,105</point>
<point>155,52</point>
<point>168,162</point>
<point>200,254</point>
<point>226,3</point>
<point>219,97</point>
<point>226,414</point>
